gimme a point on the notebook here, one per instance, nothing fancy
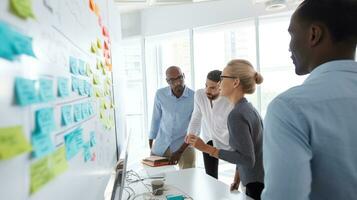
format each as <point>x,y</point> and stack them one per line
<point>155,161</point>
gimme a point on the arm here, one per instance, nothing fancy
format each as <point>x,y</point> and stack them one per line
<point>236,181</point>
<point>195,122</point>
<point>240,140</point>
<point>155,121</point>
<point>287,153</point>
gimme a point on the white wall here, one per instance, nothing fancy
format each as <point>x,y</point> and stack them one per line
<point>164,19</point>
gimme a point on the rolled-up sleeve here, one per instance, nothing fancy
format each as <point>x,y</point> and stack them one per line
<point>287,153</point>
<point>156,117</point>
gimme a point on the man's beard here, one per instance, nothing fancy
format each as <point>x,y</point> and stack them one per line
<point>211,97</point>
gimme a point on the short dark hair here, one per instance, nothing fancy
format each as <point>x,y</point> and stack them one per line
<point>339,16</point>
<point>214,75</point>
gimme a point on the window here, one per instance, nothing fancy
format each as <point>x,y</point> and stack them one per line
<point>215,46</point>
<point>275,63</point>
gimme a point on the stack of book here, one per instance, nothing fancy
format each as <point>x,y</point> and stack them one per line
<point>155,161</point>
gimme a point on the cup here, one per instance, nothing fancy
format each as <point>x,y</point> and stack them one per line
<point>157,187</point>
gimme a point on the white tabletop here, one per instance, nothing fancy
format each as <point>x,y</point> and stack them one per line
<point>189,182</point>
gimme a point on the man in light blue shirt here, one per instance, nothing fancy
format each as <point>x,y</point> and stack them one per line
<point>172,112</point>
<point>310,136</point>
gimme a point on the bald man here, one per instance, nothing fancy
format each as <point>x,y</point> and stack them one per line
<point>172,112</point>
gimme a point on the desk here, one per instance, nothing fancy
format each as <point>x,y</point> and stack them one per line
<point>194,183</point>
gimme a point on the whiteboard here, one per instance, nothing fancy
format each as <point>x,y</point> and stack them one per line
<point>62,29</point>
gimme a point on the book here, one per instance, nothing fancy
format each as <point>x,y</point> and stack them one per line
<point>155,161</point>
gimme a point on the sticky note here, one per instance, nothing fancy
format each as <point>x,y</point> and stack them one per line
<point>98,92</point>
<point>91,5</point>
<point>81,67</point>
<point>88,70</point>
<point>46,90</point>
<point>25,91</point>
<point>77,112</point>
<point>71,145</point>
<point>93,156</point>
<point>96,80</point>
<point>22,8</point>
<point>100,21</point>
<point>93,48</point>
<point>106,45</point>
<point>45,122</point>
<point>62,87</point>
<point>42,145</point>
<point>58,162</point>
<point>73,65</point>
<point>87,88</point>
<point>103,71</point>
<point>66,115</point>
<point>75,84</point>
<point>90,109</point>
<point>86,152</point>
<point>40,174</point>
<point>81,89</point>
<point>92,140</point>
<point>98,65</point>
<point>85,110</point>
<point>78,137</point>
<point>13,142</point>
<point>96,10</point>
<point>102,114</point>
<point>105,31</point>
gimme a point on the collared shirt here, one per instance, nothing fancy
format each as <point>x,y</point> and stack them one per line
<point>310,137</point>
<point>212,119</point>
<point>170,119</point>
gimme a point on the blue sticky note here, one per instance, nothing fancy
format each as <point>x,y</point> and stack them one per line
<point>88,88</point>
<point>90,109</point>
<point>25,91</point>
<point>75,84</point>
<point>66,115</point>
<point>81,67</point>
<point>78,137</point>
<point>42,145</point>
<point>92,139</point>
<point>46,90</point>
<point>81,89</point>
<point>73,65</point>
<point>85,110</point>
<point>86,152</point>
<point>45,122</point>
<point>14,43</point>
<point>71,146</point>
<point>78,112</point>
<point>62,86</point>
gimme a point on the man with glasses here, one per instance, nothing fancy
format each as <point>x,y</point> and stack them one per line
<point>210,113</point>
<point>172,112</point>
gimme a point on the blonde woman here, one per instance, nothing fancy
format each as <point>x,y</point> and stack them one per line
<point>245,128</point>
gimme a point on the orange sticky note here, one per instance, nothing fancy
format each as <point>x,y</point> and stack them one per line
<point>91,5</point>
<point>96,10</point>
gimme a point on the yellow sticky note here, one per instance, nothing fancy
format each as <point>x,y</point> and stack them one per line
<point>12,142</point>
<point>22,8</point>
<point>96,79</point>
<point>58,162</point>
<point>101,115</point>
<point>41,174</point>
<point>93,48</point>
<point>104,72</point>
<point>98,93</point>
<point>99,43</point>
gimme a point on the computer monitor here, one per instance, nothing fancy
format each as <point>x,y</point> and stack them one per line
<point>119,183</point>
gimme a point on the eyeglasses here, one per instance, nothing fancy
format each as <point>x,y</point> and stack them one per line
<point>231,77</point>
<point>172,80</point>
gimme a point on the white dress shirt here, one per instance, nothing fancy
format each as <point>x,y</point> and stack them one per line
<point>211,118</point>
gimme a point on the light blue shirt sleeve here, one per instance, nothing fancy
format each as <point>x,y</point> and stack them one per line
<point>287,153</point>
<point>156,118</point>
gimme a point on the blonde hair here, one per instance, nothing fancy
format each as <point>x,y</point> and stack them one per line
<point>246,74</point>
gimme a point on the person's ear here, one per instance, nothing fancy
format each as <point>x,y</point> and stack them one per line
<point>316,32</point>
<point>236,83</point>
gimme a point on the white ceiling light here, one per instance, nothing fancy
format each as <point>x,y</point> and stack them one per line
<point>273,5</point>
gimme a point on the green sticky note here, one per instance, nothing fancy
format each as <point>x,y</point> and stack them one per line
<point>78,112</point>
<point>46,90</point>
<point>40,173</point>
<point>25,91</point>
<point>45,122</point>
<point>66,115</point>
<point>22,8</point>
<point>42,145</point>
<point>62,85</point>
<point>59,163</point>
<point>12,142</point>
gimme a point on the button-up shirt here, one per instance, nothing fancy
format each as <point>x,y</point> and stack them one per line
<point>170,119</point>
<point>310,137</point>
<point>212,118</point>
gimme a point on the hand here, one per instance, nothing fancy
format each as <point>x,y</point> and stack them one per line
<point>196,142</point>
<point>187,136</point>
<point>234,186</point>
<point>175,157</point>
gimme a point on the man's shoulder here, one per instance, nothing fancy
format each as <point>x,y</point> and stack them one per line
<point>162,91</point>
